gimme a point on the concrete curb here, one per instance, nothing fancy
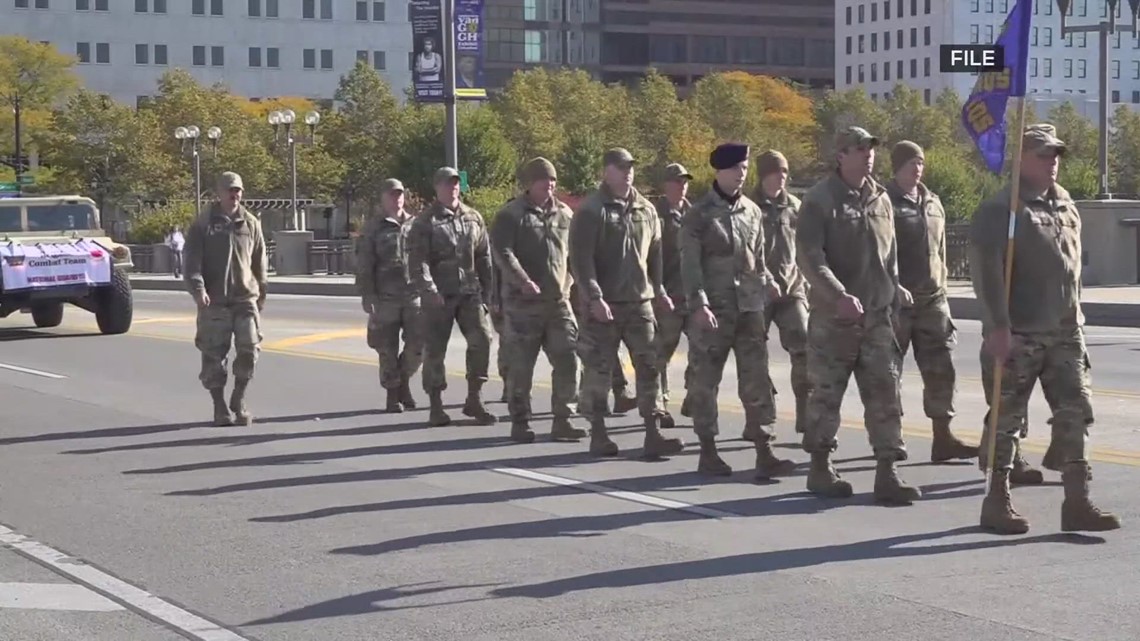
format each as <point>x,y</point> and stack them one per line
<point>962,307</point>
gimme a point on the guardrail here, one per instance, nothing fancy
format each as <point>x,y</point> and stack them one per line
<point>330,257</point>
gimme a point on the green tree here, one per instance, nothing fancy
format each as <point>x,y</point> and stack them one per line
<point>669,130</point>
<point>37,76</point>
<point>1124,151</point>
<point>911,119</point>
<point>957,181</point>
<point>485,153</point>
<point>838,110</point>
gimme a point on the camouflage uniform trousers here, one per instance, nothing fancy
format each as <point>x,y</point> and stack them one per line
<point>384,328</point>
<point>550,327</point>
<point>218,326</point>
<point>1060,360</point>
<point>928,326</point>
<point>635,325</point>
<point>670,327</point>
<point>503,356</point>
<point>790,316</point>
<point>744,334</point>
<point>866,348</point>
<point>617,376</point>
<point>467,311</point>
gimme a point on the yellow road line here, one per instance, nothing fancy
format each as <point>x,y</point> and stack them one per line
<point>309,339</point>
<point>164,319</point>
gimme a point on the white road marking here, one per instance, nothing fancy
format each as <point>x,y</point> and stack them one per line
<point>118,590</point>
<point>54,596</point>
<point>28,370</point>
<point>635,497</point>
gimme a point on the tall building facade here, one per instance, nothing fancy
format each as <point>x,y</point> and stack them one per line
<point>259,48</point>
<point>527,33</point>
<point>884,42</point>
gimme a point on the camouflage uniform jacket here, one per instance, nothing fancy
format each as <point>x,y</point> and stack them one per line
<point>920,227</point>
<point>722,254</point>
<point>671,218</point>
<point>1045,293</point>
<point>382,260</point>
<point>615,248</point>
<point>845,244</point>
<point>449,252</point>
<point>780,219</point>
<point>532,243</point>
<point>225,257</point>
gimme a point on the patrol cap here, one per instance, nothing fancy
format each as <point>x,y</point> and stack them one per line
<point>903,152</point>
<point>854,137</point>
<point>675,171</point>
<point>537,169</point>
<point>444,173</point>
<point>770,162</point>
<point>1042,137</point>
<point>230,180</point>
<point>391,184</point>
<point>618,156</point>
<point>727,155</point>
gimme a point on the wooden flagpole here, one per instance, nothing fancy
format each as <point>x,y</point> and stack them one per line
<point>999,365</point>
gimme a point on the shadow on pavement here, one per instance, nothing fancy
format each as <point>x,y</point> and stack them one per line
<point>367,603</point>
<point>10,335</point>
<point>777,560</point>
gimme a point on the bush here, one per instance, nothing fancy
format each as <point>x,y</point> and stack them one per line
<point>489,200</point>
<point>150,226</point>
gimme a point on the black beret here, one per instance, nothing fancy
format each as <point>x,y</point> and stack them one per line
<point>728,155</point>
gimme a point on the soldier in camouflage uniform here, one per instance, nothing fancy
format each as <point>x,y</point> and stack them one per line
<point>615,255</point>
<point>227,272</point>
<point>727,284</point>
<point>449,261</point>
<point>497,322</point>
<point>624,400</point>
<point>529,241</point>
<point>845,244</point>
<point>671,208</point>
<point>920,226</point>
<point>790,311</point>
<point>1037,332</point>
<point>387,296</point>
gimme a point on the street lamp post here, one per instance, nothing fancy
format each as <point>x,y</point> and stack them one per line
<point>191,134</point>
<point>1104,28</point>
<point>286,118</point>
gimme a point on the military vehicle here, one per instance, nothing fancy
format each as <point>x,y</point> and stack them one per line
<point>54,251</point>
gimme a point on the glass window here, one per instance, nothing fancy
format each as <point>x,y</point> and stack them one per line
<point>61,217</point>
<point>10,219</point>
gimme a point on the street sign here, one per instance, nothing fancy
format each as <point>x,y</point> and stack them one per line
<point>27,180</point>
<point>463,186</point>
<point>9,187</point>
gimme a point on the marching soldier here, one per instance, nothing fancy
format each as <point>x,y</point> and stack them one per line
<point>1037,332</point>
<point>790,311</point>
<point>502,355</point>
<point>227,272</point>
<point>387,296</point>
<point>726,283</point>
<point>615,255</point>
<point>450,264</point>
<point>671,208</point>
<point>624,400</point>
<point>920,226</point>
<point>846,248</point>
<point>529,240</point>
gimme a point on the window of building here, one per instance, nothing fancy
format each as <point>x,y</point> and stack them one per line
<point>1067,67</point>
<point>874,12</point>
<point>861,15</point>
<point>273,58</point>
<point>788,52</point>
<point>254,10</point>
<point>1048,72</point>
<point>326,10</point>
<point>216,8</point>
<point>271,8</point>
<point>848,72</point>
<point>675,48</point>
<point>1116,69</point>
<point>379,60</point>
<point>861,41</point>
<point>974,5</point>
<point>362,15</point>
<point>1033,36</point>
<point>914,67</point>
<point>1082,68</point>
<point>926,67</point>
<point>83,52</point>
<point>101,5</point>
<point>848,17</point>
<point>1033,67</point>
<point>862,78</point>
<point>159,6</point>
<point>141,6</point>
<point>886,71</point>
<point>886,41</point>
<point>198,56</point>
<point>706,49</point>
<point>142,54</point>
<point>102,53</point>
<point>1135,97</point>
<point>926,36</point>
<point>1115,95</point>
<point>534,49</point>
<point>914,36</point>
<point>926,96</point>
<point>914,7</point>
<point>899,70</point>
<point>160,55</point>
<point>42,4</point>
<point>255,56</point>
<point>899,39</point>
<point>1047,34</point>
<point>80,5</point>
<point>309,9</point>
<point>326,59</point>
<point>309,58</point>
<point>362,55</point>
<point>23,4</point>
<point>218,56</point>
<point>899,8</point>
<point>874,42</point>
<point>926,7</point>
<point>198,7</point>
<point>850,46</point>
<point>874,72</point>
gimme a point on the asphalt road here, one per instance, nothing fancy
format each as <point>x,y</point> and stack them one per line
<point>330,520</point>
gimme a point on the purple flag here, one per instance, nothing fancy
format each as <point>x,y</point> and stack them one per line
<point>984,112</point>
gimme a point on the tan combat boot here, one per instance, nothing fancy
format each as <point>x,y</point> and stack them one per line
<point>600,443</point>
<point>521,432</point>
<point>1023,473</point>
<point>823,479</point>
<point>768,465</point>
<point>222,416</point>
<point>406,396</point>
<point>710,462</point>
<point>474,405</point>
<point>657,446</point>
<point>1078,514</point>
<point>946,446</point>
<point>562,430</point>
<point>998,514</point>
<point>393,406</point>
<point>624,401</point>
<point>436,416</point>
<point>889,488</point>
<point>237,404</point>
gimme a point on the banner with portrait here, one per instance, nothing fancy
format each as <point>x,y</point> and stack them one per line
<point>427,49</point>
<point>469,50</point>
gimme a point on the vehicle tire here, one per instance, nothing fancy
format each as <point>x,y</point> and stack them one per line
<point>47,315</point>
<point>114,305</point>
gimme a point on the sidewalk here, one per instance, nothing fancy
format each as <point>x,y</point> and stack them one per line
<point>1113,306</point>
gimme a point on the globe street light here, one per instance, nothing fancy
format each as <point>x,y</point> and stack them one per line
<point>286,118</point>
<point>191,134</point>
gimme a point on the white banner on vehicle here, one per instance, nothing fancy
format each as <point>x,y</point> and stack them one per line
<point>47,265</point>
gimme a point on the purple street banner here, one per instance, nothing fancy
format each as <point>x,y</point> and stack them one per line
<point>983,115</point>
<point>469,51</point>
<point>426,17</point>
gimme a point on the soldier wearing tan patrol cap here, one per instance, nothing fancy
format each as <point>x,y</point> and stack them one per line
<point>227,273</point>
<point>671,209</point>
<point>388,297</point>
<point>449,261</point>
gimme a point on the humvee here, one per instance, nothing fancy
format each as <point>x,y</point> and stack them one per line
<point>53,251</point>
